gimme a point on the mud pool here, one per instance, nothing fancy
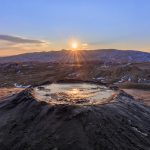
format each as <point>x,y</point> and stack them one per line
<point>73,93</point>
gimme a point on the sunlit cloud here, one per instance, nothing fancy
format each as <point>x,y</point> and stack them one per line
<point>84,45</point>
<point>17,45</point>
<point>17,39</point>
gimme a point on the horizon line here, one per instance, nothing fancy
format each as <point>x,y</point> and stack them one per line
<point>46,51</point>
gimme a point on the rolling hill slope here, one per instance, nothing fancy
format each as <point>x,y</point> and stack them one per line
<point>104,55</point>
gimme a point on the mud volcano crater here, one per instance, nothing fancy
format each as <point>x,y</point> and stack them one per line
<point>74,93</point>
<point>73,116</point>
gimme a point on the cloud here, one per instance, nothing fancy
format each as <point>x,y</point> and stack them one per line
<point>15,39</point>
<point>84,45</point>
<point>10,45</point>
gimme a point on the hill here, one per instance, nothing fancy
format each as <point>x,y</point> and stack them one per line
<point>103,55</point>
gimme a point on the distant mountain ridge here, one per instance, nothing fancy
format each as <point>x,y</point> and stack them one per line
<point>103,55</point>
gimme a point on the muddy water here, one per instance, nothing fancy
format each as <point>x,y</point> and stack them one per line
<point>77,93</point>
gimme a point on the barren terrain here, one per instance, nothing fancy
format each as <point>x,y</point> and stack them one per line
<point>36,73</point>
<point>6,92</point>
<point>143,95</point>
<point>29,123</point>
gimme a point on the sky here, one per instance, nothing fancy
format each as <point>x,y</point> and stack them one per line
<point>45,25</point>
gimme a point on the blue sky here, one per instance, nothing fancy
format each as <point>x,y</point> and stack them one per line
<point>121,24</point>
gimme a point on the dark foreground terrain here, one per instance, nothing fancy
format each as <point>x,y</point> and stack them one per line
<point>27,124</point>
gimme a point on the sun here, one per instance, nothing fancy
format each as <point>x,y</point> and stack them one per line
<point>74,45</point>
